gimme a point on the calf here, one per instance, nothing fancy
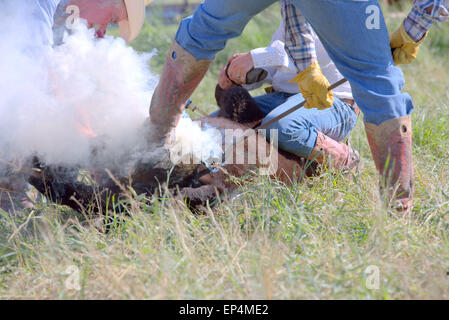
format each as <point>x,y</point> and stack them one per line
<point>238,112</point>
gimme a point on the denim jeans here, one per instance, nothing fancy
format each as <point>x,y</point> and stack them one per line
<point>297,132</point>
<point>353,33</point>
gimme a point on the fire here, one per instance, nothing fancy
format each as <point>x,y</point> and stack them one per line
<point>84,124</point>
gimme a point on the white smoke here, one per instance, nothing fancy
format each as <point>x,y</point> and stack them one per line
<point>192,143</point>
<point>57,102</point>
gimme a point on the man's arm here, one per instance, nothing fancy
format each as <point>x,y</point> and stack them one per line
<point>297,44</point>
<point>39,15</point>
<point>299,37</point>
<point>406,40</point>
<point>422,16</point>
<point>300,45</point>
<point>292,49</point>
<point>273,56</point>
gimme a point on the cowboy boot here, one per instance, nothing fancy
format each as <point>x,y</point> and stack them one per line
<point>391,146</point>
<point>180,76</point>
<point>338,155</point>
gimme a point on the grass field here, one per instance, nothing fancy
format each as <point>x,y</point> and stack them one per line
<point>326,238</point>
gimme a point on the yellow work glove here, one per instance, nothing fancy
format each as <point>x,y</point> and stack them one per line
<point>404,48</point>
<point>314,88</point>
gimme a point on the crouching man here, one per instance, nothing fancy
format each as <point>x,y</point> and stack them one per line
<point>311,133</point>
<point>130,16</point>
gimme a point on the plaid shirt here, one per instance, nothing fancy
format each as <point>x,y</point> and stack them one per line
<point>299,36</point>
<point>422,16</point>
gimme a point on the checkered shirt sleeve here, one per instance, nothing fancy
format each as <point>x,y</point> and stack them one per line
<point>422,16</point>
<point>299,36</point>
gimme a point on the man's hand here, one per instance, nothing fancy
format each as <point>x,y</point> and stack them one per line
<point>403,47</point>
<point>314,88</point>
<point>223,80</point>
<point>239,65</point>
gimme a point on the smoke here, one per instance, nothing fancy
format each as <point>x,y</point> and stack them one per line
<point>192,143</point>
<point>59,103</point>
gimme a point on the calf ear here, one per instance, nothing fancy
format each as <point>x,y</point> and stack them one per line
<point>237,105</point>
<point>219,93</point>
<point>242,106</point>
<point>224,102</point>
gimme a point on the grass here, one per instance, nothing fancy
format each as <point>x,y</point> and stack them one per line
<point>315,240</point>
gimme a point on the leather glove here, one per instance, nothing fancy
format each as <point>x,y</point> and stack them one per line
<point>404,48</point>
<point>314,88</point>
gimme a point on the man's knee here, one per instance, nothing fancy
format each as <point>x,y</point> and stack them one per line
<point>380,95</point>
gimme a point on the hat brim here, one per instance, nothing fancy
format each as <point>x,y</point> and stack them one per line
<point>130,28</point>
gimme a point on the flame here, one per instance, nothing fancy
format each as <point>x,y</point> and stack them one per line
<point>84,124</point>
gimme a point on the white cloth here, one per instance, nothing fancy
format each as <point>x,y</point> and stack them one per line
<point>41,21</point>
<point>275,60</point>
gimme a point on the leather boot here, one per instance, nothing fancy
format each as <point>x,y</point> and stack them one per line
<point>391,146</point>
<point>336,154</point>
<point>180,76</point>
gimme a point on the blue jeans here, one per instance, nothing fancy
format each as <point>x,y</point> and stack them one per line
<point>360,51</point>
<point>297,133</point>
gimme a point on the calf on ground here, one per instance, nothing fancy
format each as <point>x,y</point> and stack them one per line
<point>239,113</point>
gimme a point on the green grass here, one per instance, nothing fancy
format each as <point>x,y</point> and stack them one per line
<point>311,240</point>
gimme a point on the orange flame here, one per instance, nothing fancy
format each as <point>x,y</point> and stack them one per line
<point>84,125</point>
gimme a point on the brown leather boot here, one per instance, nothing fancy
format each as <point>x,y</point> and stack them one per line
<point>391,146</point>
<point>180,76</point>
<point>336,154</point>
